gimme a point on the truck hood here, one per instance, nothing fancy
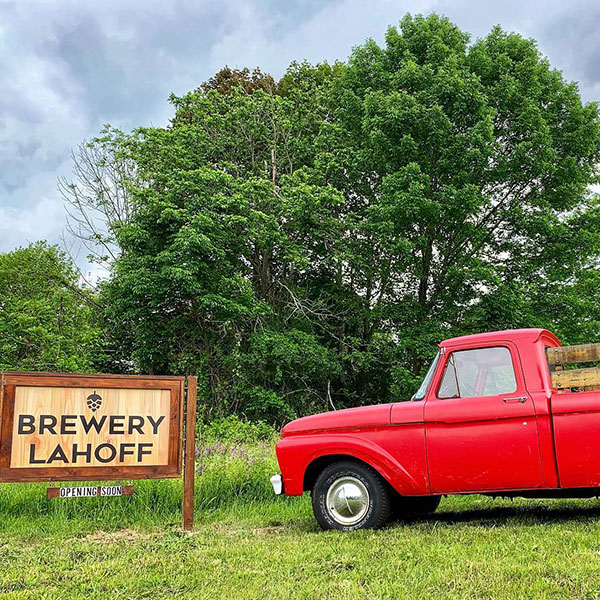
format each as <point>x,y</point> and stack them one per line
<point>348,418</point>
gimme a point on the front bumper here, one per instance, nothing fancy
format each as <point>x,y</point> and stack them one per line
<point>277,483</point>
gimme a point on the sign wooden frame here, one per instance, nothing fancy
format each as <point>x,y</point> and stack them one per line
<point>9,382</point>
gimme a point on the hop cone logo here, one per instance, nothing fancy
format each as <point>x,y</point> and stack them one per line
<point>94,401</point>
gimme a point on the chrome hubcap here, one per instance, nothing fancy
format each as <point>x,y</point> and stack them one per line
<point>347,500</point>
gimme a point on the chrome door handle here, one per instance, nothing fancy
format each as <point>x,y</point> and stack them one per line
<point>515,399</point>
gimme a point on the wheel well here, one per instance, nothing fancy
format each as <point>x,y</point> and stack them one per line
<point>317,465</point>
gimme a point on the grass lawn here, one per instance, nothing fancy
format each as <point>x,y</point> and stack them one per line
<point>247,544</point>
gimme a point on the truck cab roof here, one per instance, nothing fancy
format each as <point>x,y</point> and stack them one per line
<point>513,335</point>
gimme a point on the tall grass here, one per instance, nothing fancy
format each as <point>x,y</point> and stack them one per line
<point>229,474</point>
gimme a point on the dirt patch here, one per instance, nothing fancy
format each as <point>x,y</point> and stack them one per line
<point>268,530</point>
<point>225,528</point>
<point>228,529</point>
<point>122,536</point>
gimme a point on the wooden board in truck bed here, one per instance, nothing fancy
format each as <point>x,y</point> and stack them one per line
<point>584,379</point>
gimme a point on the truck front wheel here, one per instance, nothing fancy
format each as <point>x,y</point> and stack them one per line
<point>349,496</point>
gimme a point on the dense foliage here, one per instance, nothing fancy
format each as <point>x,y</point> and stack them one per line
<point>304,244</point>
<point>46,318</point>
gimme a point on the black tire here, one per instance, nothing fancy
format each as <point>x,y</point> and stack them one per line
<point>374,508</point>
<point>414,506</point>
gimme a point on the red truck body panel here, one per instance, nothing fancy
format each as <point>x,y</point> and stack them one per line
<point>531,439</point>
<point>577,438</point>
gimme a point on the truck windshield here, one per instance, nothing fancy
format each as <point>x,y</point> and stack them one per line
<point>425,385</point>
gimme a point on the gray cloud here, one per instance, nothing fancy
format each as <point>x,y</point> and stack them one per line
<point>69,66</point>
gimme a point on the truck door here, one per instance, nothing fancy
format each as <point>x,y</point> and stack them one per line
<point>480,423</point>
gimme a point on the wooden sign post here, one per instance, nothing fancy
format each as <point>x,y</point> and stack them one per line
<point>190,454</point>
<point>74,427</point>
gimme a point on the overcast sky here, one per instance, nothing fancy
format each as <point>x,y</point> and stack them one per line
<point>69,66</point>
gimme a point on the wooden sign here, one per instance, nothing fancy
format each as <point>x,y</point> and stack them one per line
<point>65,427</point>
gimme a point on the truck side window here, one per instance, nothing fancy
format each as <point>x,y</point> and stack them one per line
<point>478,372</point>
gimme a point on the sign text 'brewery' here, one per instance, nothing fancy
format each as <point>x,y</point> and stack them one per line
<point>106,452</point>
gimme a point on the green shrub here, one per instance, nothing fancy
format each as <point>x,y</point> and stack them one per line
<point>233,430</point>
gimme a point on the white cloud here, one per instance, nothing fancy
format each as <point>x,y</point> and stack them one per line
<point>328,34</point>
<point>44,220</point>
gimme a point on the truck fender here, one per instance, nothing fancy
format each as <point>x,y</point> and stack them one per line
<point>296,454</point>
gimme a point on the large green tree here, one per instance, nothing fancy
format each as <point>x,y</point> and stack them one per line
<point>305,243</point>
<point>216,270</point>
<point>466,171</point>
<point>46,318</point>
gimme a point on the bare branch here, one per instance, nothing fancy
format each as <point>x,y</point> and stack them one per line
<point>98,198</point>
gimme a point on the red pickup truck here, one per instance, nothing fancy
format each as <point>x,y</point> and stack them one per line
<point>496,414</point>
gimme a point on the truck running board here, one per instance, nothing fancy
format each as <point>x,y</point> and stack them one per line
<point>553,493</point>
